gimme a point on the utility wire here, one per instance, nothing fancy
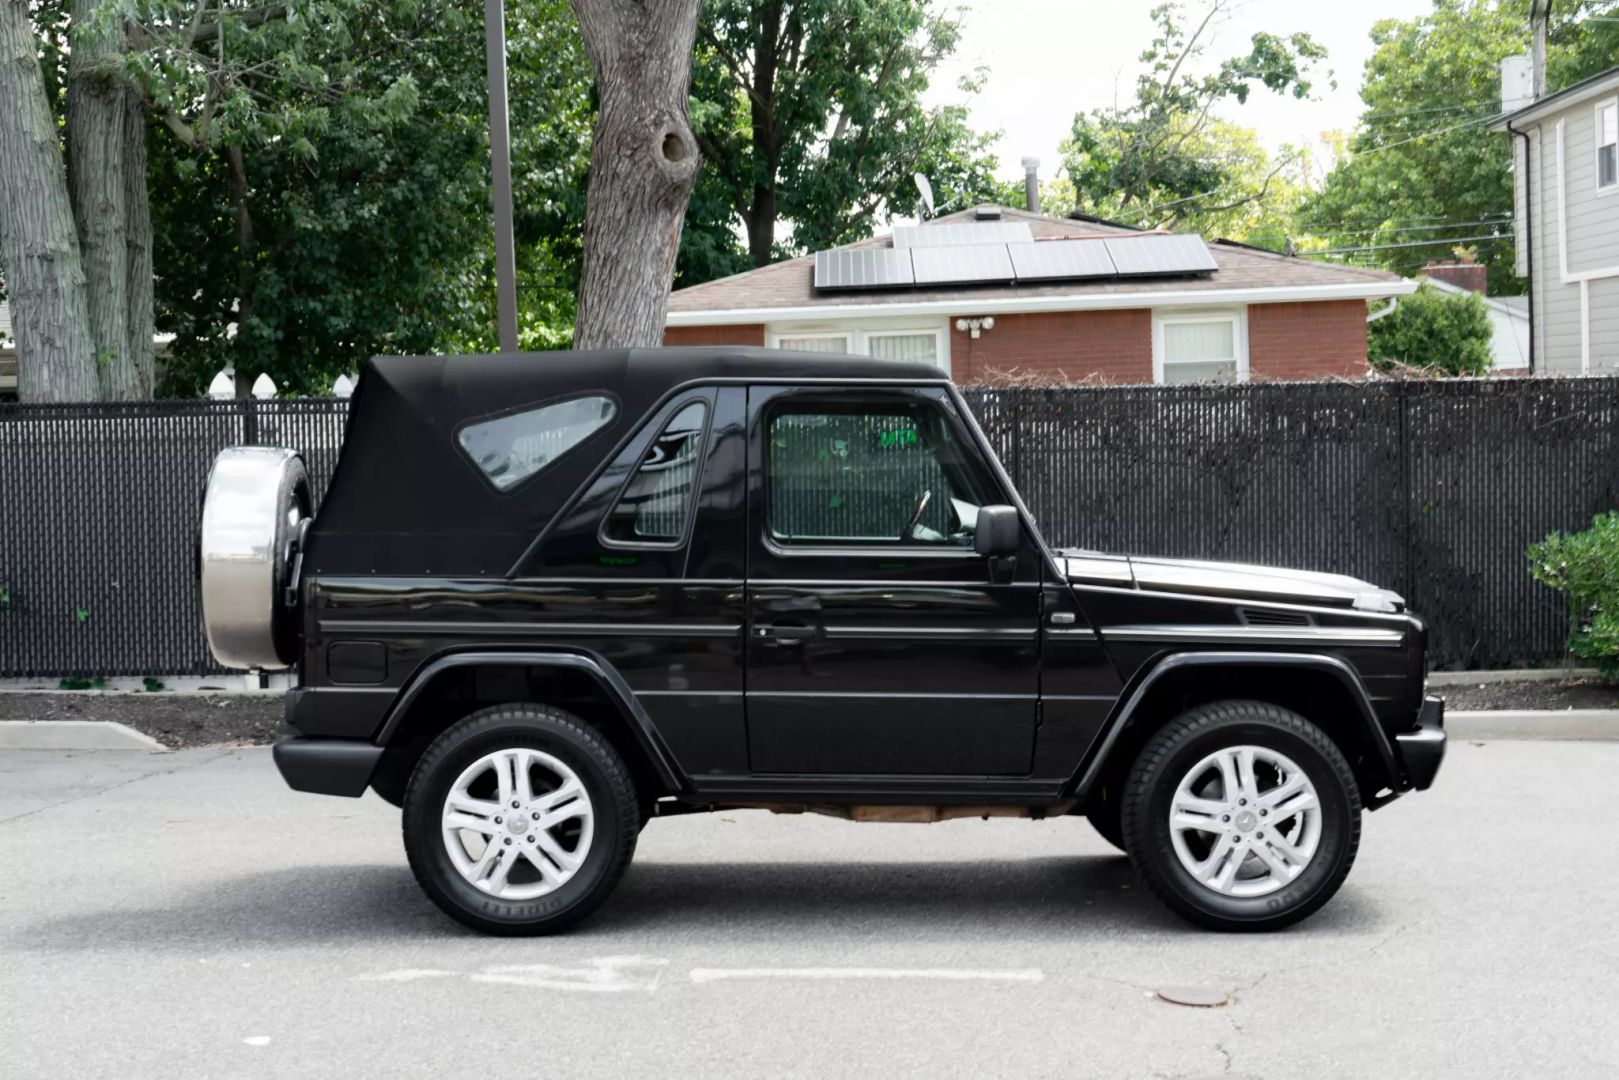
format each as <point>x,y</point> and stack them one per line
<point>1426,134</point>
<point>1434,109</point>
<point>1404,244</point>
<point>1316,228</point>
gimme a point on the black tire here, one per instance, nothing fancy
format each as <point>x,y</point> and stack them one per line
<point>1104,816</point>
<point>615,807</point>
<point>1176,750</point>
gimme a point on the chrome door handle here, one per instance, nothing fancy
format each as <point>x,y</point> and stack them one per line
<point>784,633</point>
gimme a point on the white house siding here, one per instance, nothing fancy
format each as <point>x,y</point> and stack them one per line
<point>1509,340</point>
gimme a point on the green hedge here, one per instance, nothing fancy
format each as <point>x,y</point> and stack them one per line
<point>1584,567</point>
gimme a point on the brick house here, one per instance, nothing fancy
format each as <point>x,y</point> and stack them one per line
<point>1229,312</point>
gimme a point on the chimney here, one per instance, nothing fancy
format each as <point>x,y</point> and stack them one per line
<point>1471,276</point>
<point>1031,184</point>
<point>1517,82</point>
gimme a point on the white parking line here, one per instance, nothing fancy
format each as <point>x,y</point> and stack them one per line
<point>409,975</point>
<point>609,975</point>
<point>1025,975</point>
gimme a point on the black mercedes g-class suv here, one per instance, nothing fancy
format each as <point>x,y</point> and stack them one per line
<point>549,597</point>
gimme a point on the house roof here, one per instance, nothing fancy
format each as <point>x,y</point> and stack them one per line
<point>1603,82</point>
<point>1516,306</point>
<point>786,290</point>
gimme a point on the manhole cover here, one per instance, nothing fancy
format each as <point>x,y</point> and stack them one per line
<point>1199,997</point>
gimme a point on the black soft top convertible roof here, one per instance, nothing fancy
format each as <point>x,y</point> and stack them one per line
<point>406,500</point>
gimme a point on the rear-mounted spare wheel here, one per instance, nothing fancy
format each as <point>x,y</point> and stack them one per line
<point>254,515</point>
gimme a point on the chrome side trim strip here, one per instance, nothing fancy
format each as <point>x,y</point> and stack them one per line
<point>889,694</point>
<point>526,629</point>
<point>688,693</point>
<point>948,633</point>
<point>1256,635</point>
<point>765,584</point>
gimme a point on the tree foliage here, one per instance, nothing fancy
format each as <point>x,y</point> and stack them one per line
<point>1423,167</point>
<point>1442,332</point>
<point>1165,159</point>
<point>325,192</point>
<point>811,112</point>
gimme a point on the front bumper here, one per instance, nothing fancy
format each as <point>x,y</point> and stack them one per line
<point>1421,751</point>
<point>327,766</point>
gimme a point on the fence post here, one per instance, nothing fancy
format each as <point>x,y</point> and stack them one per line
<point>250,421</point>
<point>1404,450</point>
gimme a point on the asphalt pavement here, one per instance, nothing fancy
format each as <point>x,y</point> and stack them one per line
<point>184,915</point>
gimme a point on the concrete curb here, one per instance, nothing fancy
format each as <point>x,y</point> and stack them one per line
<point>1477,678</point>
<point>75,735</point>
<point>1594,724</point>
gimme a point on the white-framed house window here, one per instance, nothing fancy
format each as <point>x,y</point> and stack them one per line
<point>830,343</point>
<point>1207,346</point>
<point>1607,145</point>
<point>926,343</point>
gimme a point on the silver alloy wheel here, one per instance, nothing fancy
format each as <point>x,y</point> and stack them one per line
<point>514,837</point>
<point>1245,821</point>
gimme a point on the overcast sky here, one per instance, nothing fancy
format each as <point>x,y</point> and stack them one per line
<point>1048,59</point>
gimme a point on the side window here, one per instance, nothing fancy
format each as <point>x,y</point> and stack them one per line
<point>511,448</point>
<point>872,475</point>
<point>656,503</point>
<point>1607,141</point>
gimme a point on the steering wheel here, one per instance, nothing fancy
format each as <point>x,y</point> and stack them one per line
<point>916,515</point>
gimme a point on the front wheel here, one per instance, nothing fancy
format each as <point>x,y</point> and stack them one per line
<point>520,819</point>
<point>1242,815</point>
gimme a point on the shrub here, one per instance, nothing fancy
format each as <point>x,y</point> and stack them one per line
<point>1584,567</point>
<point>1440,331</point>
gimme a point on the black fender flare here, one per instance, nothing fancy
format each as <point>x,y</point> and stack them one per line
<point>605,675</point>
<point>1084,777</point>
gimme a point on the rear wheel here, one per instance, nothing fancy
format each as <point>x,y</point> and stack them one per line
<point>1242,815</point>
<point>520,819</point>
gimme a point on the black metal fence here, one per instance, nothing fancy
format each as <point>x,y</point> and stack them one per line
<point>1430,488</point>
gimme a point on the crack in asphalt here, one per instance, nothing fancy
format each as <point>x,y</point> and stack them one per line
<point>122,783</point>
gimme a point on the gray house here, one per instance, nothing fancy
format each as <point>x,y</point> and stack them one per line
<point>1566,202</point>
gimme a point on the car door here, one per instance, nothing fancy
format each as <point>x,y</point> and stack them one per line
<point>878,641</point>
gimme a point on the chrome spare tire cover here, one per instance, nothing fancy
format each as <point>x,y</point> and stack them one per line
<point>254,514</point>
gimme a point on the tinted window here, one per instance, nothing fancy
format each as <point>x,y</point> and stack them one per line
<point>511,448</point>
<point>861,476</point>
<point>657,500</point>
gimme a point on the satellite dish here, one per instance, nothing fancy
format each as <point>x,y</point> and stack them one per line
<point>924,189</point>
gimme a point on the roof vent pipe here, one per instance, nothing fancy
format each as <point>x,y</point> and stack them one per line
<point>1031,184</point>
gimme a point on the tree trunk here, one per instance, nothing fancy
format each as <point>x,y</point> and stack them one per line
<point>139,326</point>
<point>246,254</point>
<point>44,275</point>
<point>95,164</point>
<point>643,163</point>
<point>761,216</point>
<point>761,224</point>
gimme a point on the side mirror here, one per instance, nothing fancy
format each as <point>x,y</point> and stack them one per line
<point>996,532</point>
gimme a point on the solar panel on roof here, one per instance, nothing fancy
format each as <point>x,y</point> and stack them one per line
<point>979,232</point>
<point>1145,256</point>
<point>863,268</point>
<point>970,264</point>
<point>1054,260</point>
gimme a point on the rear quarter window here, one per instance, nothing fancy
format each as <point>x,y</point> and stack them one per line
<point>510,448</point>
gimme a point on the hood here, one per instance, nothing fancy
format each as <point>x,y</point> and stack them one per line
<point>1243,580</point>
